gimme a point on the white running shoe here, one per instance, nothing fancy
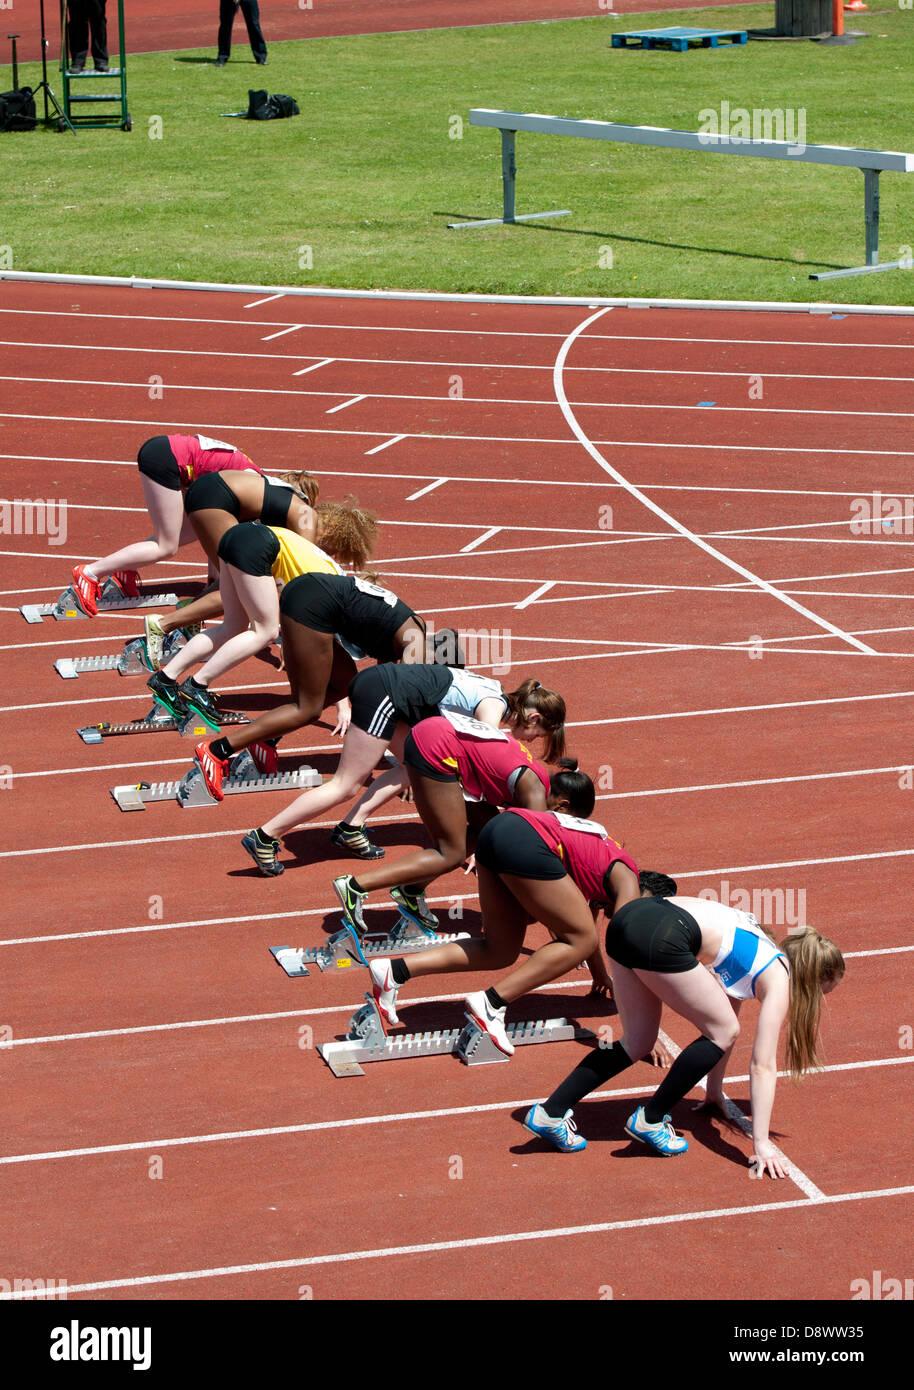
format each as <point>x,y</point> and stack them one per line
<point>661,1136</point>
<point>384,989</point>
<point>491,1021</point>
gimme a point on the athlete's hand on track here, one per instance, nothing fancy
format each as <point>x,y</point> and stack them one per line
<point>660,1057</point>
<point>471,865</point>
<point>343,718</point>
<point>601,989</point>
<point>711,1103</point>
<point>766,1160</point>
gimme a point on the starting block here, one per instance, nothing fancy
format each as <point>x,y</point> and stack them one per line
<point>132,661</point>
<point>159,721</point>
<point>347,947</point>
<point>367,1041</point>
<point>244,776</point>
<point>111,600</point>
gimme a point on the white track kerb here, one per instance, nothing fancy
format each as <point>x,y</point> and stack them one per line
<point>559,387</point>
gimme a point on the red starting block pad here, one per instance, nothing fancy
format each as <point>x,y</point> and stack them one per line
<point>678,39</point>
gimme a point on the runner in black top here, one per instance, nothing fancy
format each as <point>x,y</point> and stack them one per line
<point>216,501</point>
<point>366,620</point>
<point>386,702</point>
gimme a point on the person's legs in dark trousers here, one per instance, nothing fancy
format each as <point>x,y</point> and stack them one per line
<point>227,11</point>
<point>98,23</point>
<point>78,33</point>
<point>251,11</point>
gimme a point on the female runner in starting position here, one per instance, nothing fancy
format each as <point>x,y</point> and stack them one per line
<point>679,951</point>
<point>168,465</point>
<point>387,701</point>
<point>318,613</point>
<point>253,559</point>
<point>532,866</point>
<point>448,756</point>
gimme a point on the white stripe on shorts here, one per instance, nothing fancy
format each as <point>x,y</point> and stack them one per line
<point>380,717</point>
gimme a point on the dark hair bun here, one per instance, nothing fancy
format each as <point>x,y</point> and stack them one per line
<point>568,764</point>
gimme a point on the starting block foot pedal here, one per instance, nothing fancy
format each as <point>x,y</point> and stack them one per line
<point>156,721</point>
<point>191,790</point>
<point>290,959</point>
<point>111,600</point>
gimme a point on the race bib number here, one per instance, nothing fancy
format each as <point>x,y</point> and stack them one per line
<point>207,443</point>
<point>465,725</point>
<point>376,591</point>
<point>589,827</point>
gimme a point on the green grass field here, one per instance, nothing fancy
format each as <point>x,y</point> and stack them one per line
<point>363,183</point>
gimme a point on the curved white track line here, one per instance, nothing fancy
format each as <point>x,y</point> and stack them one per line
<point>571,421</point>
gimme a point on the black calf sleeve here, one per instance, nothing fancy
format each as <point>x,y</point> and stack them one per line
<point>598,1066</point>
<point>690,1066</point>
<point>400,971</point>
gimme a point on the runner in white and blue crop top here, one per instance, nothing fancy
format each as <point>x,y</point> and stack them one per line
<point>745,950</point>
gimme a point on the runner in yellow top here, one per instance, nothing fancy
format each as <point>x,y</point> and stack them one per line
<point>255,561</point>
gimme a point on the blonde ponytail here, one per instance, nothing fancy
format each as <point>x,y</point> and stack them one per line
<point>814,961</point>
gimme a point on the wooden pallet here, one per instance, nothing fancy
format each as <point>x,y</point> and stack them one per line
<point>678,39</point>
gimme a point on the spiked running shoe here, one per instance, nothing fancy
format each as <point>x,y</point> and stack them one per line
<point>415,908</point>
<point>87,590</point>
<point>661,1136</point>
<point>355,839</point>
<point>155,639</point>
<point>562,1133</point>
<point>352,901</point>
<point>384,989</point>
<point>263,853</point>
<point>200,701</point>
<point>166,693</point>
<point>264,755</point>
<point>214,769</point>
<point>491,1021</point>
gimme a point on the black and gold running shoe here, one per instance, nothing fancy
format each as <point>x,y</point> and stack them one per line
<point>263,850</point>
<point>355,839</point>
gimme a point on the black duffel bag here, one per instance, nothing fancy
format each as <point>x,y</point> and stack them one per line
<point>17,110</point>
<point>262,107</point>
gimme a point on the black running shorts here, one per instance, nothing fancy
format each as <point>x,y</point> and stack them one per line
<point>340,604</point>
<point>159,464</point>
<point>508,844</point>
<point>210,492</point>
<point>654,934</point>
<point>250,547</point>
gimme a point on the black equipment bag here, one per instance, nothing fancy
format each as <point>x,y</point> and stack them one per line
<point>262,107</point>
<point>17,110</point>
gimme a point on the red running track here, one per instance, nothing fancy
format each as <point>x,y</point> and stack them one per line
<point>738,743</point>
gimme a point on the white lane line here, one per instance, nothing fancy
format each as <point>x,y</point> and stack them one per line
<point>624,338</point>
<point>247,427</point>
<point>431,486</point>
<point>324,362</point>
<point>255,302</point>
<point>537,593</point>
<point>755,782</point>
<point>137,696</point>
<point>446,364</point>
<point>470,1242</point>
<point>358,1122</point>
<point>796,863</point>
<point>742,709</point>
<point>665,516</point>
<point>481,540</point>
<point>282,332</point>
<point>169,762</point>
<point>352,401</point>
<point>386,445</point>
<point>519,482</point>
<point>465,400</point>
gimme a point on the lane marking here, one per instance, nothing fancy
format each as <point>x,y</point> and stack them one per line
<point>537,593</point>
<point>353,401</point>
<point>386,445</point>
<point>282,332</point>
<point>431,486</point>
<point>658,511</point>
<point>357,1122</point>
<point>480,540</point>
<point>269,300</point>
<point>470,1242</point>
<point>324,362</point>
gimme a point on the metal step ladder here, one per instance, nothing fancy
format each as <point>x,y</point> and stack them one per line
<point>76,103</point>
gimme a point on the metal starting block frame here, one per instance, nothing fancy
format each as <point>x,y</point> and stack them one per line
<point>244,776</point>
<point>111,600</point>
<point>367,1042</point>
<point>346,947</point>
<point>159,721</point>
<point>130,662</point>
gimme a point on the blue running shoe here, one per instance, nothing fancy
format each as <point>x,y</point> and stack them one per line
<point>661,1136</point>
<point>562,1133</point>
